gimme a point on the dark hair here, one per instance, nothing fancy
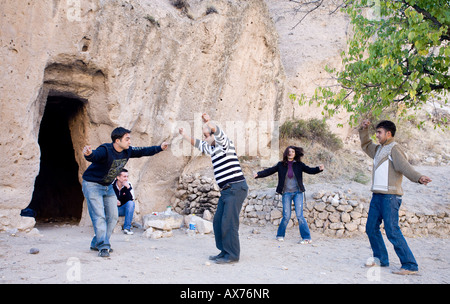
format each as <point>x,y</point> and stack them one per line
<point>298,154</point>
<point>118,133</point>
<point>123,170</point>
<point>387,125</point>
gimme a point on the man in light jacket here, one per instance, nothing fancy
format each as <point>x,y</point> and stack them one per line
<point>389,166</point>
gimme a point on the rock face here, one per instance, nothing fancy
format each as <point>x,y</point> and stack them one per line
<point>144,65</point>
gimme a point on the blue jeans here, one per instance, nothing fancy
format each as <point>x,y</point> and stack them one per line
<point>287,198</point>
<point>385,207</point>
<point>102,207</point>
<point>127,210</point>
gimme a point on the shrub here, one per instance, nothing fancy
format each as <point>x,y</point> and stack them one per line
<point>152,20</point>
<point>180,4</point>
<point>313,129</point>
<point>211,10</point>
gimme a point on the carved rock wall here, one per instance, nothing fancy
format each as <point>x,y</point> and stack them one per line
<point>143,65</point>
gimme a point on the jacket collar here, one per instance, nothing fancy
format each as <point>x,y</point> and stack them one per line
<point>389,141</point>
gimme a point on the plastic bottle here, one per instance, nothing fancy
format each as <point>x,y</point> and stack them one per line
<point>168,210</point>
<point>192,228</point>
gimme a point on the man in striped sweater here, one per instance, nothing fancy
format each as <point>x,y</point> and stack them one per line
<point>234,189</point>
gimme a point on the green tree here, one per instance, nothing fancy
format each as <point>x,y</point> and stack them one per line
<point>399,55</point>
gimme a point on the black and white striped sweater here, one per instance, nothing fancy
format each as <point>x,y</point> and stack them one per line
<point>224,159</point>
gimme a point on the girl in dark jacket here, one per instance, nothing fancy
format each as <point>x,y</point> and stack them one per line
<point>290,186</point>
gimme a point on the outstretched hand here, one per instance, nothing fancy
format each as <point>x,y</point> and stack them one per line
<point>424,180</point>
<point>164,146</point>
<point>87,150</point>
<point>207,120</point>
<point>206,117</point>
<point>364,124</point>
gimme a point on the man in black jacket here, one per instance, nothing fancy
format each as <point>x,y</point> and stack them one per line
<point>125,199</point>
<point>107,161</point>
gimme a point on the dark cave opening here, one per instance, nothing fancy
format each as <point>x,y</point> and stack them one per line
<point>57,194</point>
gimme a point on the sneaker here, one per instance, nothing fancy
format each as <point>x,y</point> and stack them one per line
<point>96,249</point>
<point>403,271</point>
<point>104,253</point>
<point>305,242</point>
<point>280,239</point>
<point>127,231</point>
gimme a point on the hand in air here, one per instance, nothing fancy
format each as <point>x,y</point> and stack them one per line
<point>164,145</point>
<point>87,150</point>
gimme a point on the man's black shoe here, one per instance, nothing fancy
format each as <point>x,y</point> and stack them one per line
<point>215,257</point>
<point>96,249</point>
<point>224,260</point>
<point>104,253</point>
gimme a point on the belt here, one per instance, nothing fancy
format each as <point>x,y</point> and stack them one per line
<point>228,185</point>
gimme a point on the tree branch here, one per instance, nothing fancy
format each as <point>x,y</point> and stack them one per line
<point>430,17</point>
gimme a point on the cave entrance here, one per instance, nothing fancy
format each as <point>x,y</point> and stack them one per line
<point>57,194</point>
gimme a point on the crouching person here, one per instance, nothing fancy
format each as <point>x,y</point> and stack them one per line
<point>125,199</point>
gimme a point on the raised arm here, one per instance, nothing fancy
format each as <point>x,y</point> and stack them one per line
<point>220,137</point>
<point>366,142</point>
<point>199,144</point>
<point>267,172</point>
<point>187,137</point>
<point>96,155</point>
<point>312,170</point>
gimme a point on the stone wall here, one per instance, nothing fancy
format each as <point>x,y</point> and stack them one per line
<point>333,213</point>
<point>195,194</point>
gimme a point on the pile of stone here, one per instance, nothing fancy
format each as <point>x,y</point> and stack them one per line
<point>338,213</point>
<point>161,224</point>
<point>196,194</point>
<point>420,224</point>
<point>334,213</point>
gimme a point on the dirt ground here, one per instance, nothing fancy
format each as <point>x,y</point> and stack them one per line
<point>64,257</point>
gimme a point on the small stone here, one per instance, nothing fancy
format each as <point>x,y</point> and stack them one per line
<point>345,217</point>
<point>351,226</point>
<point>275,214</point>
<point>318,195</point>
<point>34,251</point>
<point>320,206</point>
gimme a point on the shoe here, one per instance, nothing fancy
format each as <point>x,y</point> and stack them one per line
<point>104,253</point>
<point>127,231</point>
<point>96,249</point>
<point>215,257</point>
<point>403,271</point>
<point>374,264</point>
<point>280,239</point>
<point>305,242</point>
<point>224,260</point>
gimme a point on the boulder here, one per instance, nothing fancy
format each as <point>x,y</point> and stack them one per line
<point>201,225</point>
<point>163,221</point>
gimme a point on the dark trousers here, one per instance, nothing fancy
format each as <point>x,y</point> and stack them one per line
<point>226,219</point>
